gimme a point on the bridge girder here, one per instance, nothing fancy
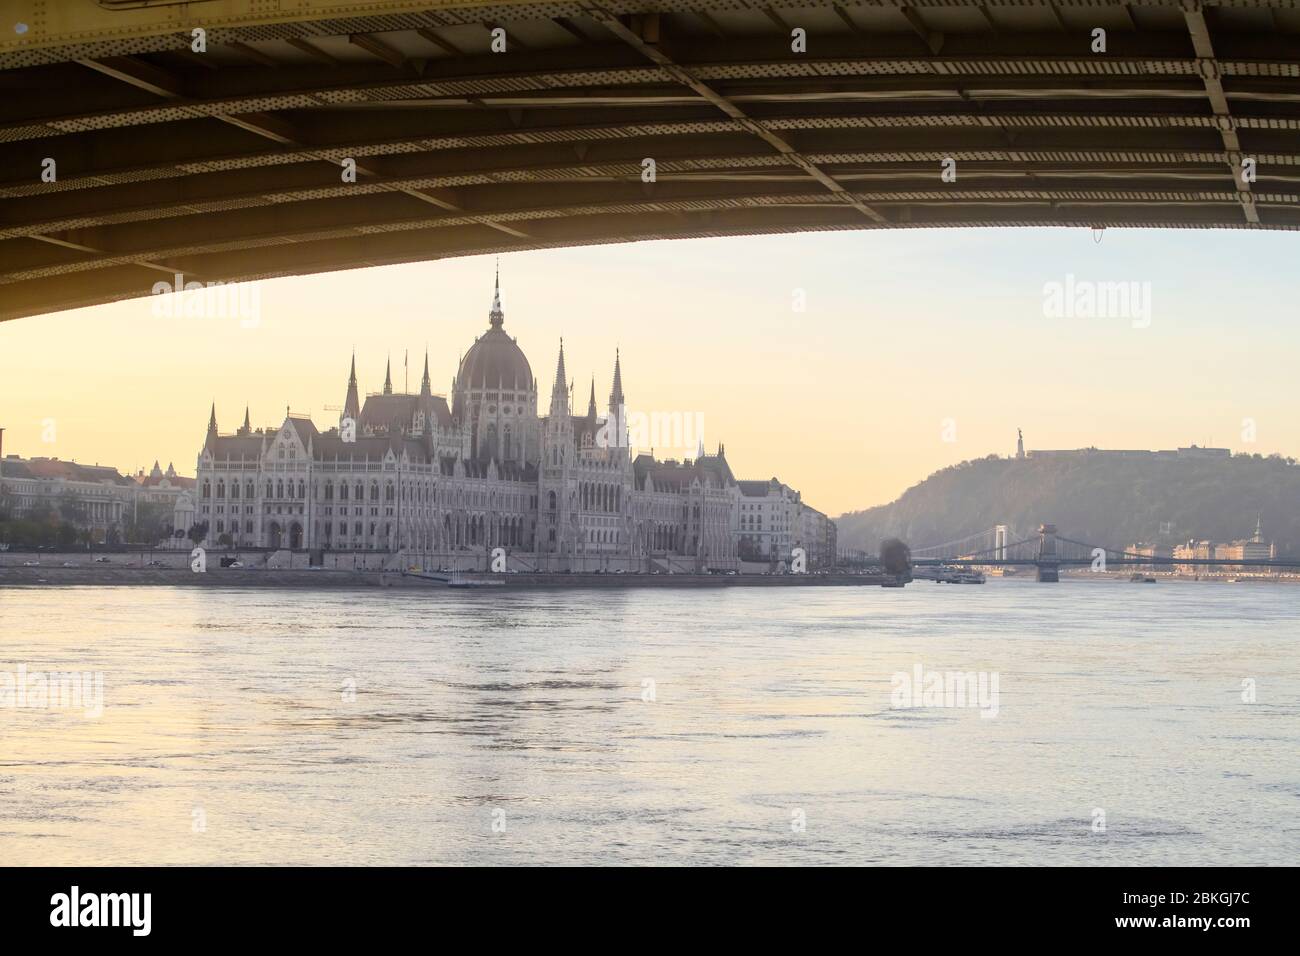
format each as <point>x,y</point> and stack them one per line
<point>225,165</point>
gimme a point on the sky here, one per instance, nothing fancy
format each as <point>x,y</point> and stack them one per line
<point>849,365</point>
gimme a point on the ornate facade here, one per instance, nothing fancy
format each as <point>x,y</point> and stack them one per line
<point>411,475</point>
<point>94,498</point>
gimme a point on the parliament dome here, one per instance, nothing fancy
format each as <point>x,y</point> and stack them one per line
<point>495,360</point>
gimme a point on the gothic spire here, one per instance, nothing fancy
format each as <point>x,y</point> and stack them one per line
<point>426,386</point>
<point>591,402</point>
<point>352,405</point>
<point>616,392</point>
<point>388,377</point>
<point>248,425</point>
<point>560,390</point>
<point>497,317</point>
<point>212,425</point>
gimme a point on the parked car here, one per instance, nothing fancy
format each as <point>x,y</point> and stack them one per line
<point>31,564</point>
<point>70,564</point>
<point>102,560</point>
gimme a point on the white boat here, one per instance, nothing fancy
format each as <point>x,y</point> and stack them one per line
<point>959,577</point>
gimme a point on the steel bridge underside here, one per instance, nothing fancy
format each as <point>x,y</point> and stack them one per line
<point>228,164</point>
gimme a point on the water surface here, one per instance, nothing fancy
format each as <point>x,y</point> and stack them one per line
<point>367,727</point>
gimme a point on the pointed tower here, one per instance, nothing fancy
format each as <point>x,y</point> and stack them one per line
<point>560,390</point>
<point>618,433</point>
<point>591,402</point>
<point>556,530</point>
<point>423,420</point>
<point>212,426</point>
<point>352,404</point>
<point>247,428</point>
<point>388,378</point>
<point>616,390</point>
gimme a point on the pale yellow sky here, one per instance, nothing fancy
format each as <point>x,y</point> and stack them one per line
<point>849,400</point>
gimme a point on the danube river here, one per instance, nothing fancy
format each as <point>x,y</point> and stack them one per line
<point>1132,724</point>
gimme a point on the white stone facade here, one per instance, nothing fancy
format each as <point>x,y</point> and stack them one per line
<point>443,485</point>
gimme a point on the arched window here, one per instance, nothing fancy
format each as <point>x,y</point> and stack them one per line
<point>343,491</point>
<point>279,489</point>
<point>207,488</point>
<point>221,488</point>
<point>234,489</point>
<point>551,499</point>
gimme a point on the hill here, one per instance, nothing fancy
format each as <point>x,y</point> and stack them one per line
<point>1096,497</point>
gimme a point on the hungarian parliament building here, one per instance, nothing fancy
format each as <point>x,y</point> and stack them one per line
<point>413,476</point>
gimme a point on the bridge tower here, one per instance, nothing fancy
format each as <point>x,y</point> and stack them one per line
<point>1000,543</point>
<point>1048,563</point>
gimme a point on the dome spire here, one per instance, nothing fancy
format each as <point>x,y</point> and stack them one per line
<point>497,317</point>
